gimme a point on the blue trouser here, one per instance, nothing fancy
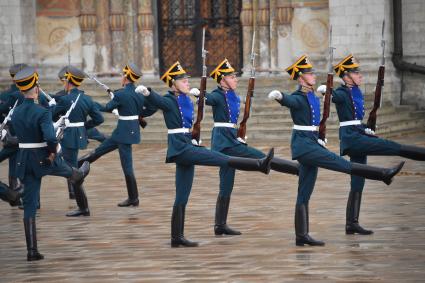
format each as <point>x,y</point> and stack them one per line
<point>95,134</point>
<point>185,169</point>
<point>227,174</point>
<point>309,163</point>
<point>369,146</point>
<point>11,153</point>
<point>32,184</point>
<point>70,155</point>
<point>124,150</point>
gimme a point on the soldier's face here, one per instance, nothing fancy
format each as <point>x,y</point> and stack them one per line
<point>230,82</point>
<point>182,85</point>
<point>308,79</point>
<point>356,78</point>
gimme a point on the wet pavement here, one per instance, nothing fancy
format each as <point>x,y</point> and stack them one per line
<point>132,244</point>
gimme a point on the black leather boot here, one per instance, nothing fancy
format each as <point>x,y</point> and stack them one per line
<point>413,152</point>
<point>83,206</point>
<point>10,196</point>
<point>78,175</point>
<point>376,173</point>
<point>285,166</point>
<point>352,225</point>
<point>301,227</point>
<point>133,193</point>
<point>92,156</point>
<point>250,164</point>
<point>177,228</point>
<point>14,183</point>
<point>71,191</point>
<point>221,211</point>
<point>31,239</point>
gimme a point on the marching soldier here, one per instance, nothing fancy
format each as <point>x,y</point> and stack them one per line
<point>178,111</point>
<point>75,134</point>
<point>7,100</point>
<point>226,106</point>
<point>37,155</point>
<point>305,112</point>
<point>130,105</point>
<point>356,140</point>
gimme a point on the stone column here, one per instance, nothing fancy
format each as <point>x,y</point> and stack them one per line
<point>88,40</point>
<point>103,38</point>
<point>130,10</point>
<point>282,37</point>
<point>263,37</point>
<point>247,21</point>
<point>145,24</point>
<point>117,26</point>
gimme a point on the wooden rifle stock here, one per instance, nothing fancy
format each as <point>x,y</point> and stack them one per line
<point>247,110</point>
<point>196,131</point>
<point>326,107</point>
<point>371,122</point>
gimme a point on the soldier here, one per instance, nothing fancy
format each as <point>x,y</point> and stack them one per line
<point>37,155</point>
<point>226,106</point>
<point>130,105</point>
<point>178,115</point>
<point>75,135</point>
<point>356,140</point>
<point>92,133</point>
<point>305,147</point>
<point>7,100</point>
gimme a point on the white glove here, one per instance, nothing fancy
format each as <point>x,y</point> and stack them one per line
<point>141,89</point>
<point>52,102</point>
<point>275,94</point>
<point>3,134</point>
<point>195,92</point>
<point>115,112</point>
<point>58,148</point>
<point>194,142</point>
<point>369,131</point>
<point>242,140</point>
<point>67,122</point>
<point>322,89</point>
<point>112,95</point>
<point>322,142</point>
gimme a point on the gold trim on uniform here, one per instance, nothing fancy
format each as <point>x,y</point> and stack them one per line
<point>301,63</point>
<point>219,71</point>
<point>347,63</point>
<point>130,74</point>
<point>27,83</point>
<point>175,70</point>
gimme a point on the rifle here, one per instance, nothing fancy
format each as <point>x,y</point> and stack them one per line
<point>142,121</point>
<point>328,94</point>
<point>13,50</point>
<point>377,103</point>
<point>196,131</point>
<point>7,118</point>
<point>48,97</point>
<point>249,95</point>
<point>60,124</point>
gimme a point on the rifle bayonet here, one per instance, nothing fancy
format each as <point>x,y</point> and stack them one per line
<point>13,50</point>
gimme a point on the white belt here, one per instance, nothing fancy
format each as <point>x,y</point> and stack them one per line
<point>179,131</point>
<point>135,117</point>
<point>350,123</point>
<point>33,145</point>
<point>225,125</point>
<point>76,125</point>
<point>305,128</point>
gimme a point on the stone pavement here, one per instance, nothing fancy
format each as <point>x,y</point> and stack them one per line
<point>132,244</point>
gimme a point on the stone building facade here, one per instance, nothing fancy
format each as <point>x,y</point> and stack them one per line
<point>101,35</point>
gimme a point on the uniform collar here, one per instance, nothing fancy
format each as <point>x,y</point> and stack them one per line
<point>13,87</point>
<point>29,100</point>
<point>304,89</point>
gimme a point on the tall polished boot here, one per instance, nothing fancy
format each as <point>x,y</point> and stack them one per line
<point>133,193</point>
<point>78,175</point>
<point>9,195</point>
<point>31,239</point>
<point>285,166</point>
<point>83,205</point>
<point>413,152</point>
<point>177,228</point>
<point>376,173</point>
<point>92,156</point>
<point>352,225</point>
<point>301,227</point>
<point>251,164</point>
<point>221,211</point>
<point>71,191</point>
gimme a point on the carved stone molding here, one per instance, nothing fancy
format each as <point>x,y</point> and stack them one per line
<point>117,22</point>
<point>87,22</point>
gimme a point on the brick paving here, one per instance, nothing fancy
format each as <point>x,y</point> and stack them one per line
<point>132,244</point>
